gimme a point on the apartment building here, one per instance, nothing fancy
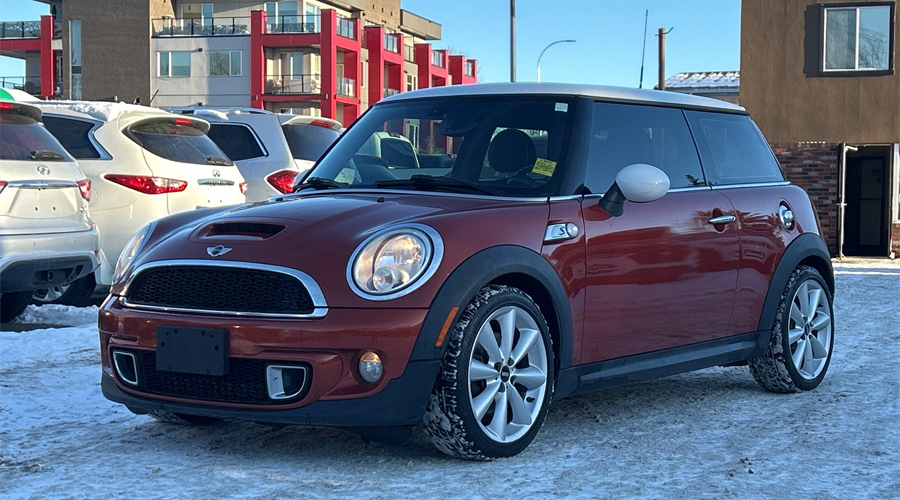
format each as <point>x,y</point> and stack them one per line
<point>821,80</point>
<point>328,58</point>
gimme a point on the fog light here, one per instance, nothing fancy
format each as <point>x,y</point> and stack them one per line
<point>370,367</point>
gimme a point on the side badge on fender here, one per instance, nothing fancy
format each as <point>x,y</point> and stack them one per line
<point>217,250</point>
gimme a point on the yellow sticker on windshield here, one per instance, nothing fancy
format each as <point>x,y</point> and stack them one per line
<point>544,167</point>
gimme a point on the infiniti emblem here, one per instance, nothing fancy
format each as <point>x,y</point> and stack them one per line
<point>217,250</point>
<point>216,173</point>
<point>43,170</point>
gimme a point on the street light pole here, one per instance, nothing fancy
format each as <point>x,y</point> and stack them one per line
<point>542,55</point>
<point>512,41</point>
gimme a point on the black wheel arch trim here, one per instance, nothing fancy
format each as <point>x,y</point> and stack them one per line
<point>486,267</point>
<point>808,249</point>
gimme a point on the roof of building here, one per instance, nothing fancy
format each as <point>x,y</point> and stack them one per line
<point>727,81</point>
<point>604,93</point>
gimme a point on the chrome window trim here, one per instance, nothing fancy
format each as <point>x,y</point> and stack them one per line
<point>751,184</point>
<point>437,254</point>
<point>689,188</point>
<point>315,293</point>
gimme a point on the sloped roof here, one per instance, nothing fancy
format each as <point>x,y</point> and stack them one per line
<point>707,80</point>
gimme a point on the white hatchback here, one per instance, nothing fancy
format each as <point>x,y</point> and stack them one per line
<point>270,149</point>
<point>145,164</point>
<point>47,238</point>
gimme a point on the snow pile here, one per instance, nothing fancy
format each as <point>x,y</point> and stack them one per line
<point>54,314</point>
<point>106,111</point>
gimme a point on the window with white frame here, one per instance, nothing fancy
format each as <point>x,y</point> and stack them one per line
<point>225,63</point>
<point>174,64</point>
<point>412,82</point>
<point>857,38</point>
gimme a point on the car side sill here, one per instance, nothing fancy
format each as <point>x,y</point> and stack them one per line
<point>652,365</point>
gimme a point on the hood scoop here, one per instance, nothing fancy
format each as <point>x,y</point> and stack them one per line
<point>254,230</point>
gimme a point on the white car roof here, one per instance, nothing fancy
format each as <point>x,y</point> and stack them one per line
<point>598,92</point>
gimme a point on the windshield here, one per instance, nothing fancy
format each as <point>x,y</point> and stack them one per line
<point>307,141</point>
<point>177,142</point>
<point>25,139</point>
<point>499,145</point>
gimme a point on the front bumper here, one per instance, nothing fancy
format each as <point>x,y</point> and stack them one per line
<point>330,346</point>
<point>36,261</point>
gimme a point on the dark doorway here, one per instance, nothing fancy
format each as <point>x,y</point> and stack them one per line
<point>866,228</point>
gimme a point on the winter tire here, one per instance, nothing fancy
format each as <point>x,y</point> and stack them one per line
<point>496,378</point>
<point>181,418</point>
<point>802,339</point>
<point>77,293</point>
<point>13,304</point>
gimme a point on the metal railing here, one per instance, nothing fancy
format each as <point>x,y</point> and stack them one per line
<point>30,84</point>
<point>409,53</point>
<point>346,27</point>
<point>294,24</point>
<point>391,43</point>
<point>470,69</point>
<point>389,92</point>
<point>346,87</point>
<point>437,59</point>
<point>20,29</point>
<point>209,26</point>
<point>294,84</point>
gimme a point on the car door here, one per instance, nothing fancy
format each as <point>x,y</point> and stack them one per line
<point>663,273</point>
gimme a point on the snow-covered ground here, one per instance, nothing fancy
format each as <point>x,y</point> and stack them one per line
<point>707,434</point>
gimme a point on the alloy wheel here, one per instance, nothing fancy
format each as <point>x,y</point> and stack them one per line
<point>810,330</point>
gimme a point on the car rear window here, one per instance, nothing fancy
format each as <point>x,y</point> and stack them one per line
<point>308,142</point>
<point>26,139</point>
<point>732,149</point>
<point>237,141</point>
<point>74,135</point>
<point>177,142</point>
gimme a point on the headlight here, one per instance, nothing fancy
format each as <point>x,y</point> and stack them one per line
<point>394,262</point>
<point>131,249</point>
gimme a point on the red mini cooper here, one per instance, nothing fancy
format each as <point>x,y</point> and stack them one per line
<point>464,254</point>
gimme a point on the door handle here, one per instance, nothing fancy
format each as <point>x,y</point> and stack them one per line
<point>722,219</point>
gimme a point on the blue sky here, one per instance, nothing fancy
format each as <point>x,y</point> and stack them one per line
<point>706,36</point>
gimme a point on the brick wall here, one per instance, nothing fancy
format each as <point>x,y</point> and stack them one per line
<point>895,238</point>
<point>814,167</point>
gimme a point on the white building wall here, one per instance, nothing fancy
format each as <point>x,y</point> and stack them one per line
<point>200,87</point>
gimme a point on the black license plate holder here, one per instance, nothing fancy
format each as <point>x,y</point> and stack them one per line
<point>201,351</point>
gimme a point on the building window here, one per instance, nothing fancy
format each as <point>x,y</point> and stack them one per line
<point>174,64</point>
<point>225,63</point>
<point>858,38</point>
<point>412,82</point>
<point>75,58</point>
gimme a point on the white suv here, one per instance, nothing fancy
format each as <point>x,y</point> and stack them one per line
<point>145,164</point>
<point>269,148</point>
<point>46,236</point>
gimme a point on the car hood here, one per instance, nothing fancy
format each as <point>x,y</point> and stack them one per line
<point>318,232</point>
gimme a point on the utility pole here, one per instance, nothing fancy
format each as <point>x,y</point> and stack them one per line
<point>662,58</point>
<point>512,41</point>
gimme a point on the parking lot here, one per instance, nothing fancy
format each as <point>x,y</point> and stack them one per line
<point>707,434</point>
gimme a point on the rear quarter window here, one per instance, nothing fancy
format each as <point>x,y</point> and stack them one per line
<point>237,141</point>
<point>177,142</point>
<point>74,135</point>
<point>732,149</point>
<point>308,142</point>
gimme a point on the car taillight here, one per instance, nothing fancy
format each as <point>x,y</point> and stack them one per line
<point>5,105</point>
<point>148,185</point>
<point>243,187</point>
<point>85,188</point>
<point>2,186</point>
<point>320,123</point>
<point>283,180</point>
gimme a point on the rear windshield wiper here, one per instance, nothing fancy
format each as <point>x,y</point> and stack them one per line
<point>45,154</point>
<point>318,183</point>
<point>431,183</point>
<point>217,160</point>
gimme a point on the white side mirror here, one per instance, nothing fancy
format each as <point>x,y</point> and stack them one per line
<point>642,183</point>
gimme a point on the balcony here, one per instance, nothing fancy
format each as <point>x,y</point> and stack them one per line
<point>389,92</point>
<point>30,84</point>
<point>409,53</point>
<point>20,29</point>
<point>294,84</point>
<point>346,27</point>
<point>391,43</point>
<point>294,24</point>
<point>346,87</point>
<point>210,26</point>
<point>437,59</point>
<point>470,69</point>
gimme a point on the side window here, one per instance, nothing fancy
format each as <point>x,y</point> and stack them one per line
<point>237,141</point>
<point>624,134</point>
<point>73,135</point>
<point>732,149</point>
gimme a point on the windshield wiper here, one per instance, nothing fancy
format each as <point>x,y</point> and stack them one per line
<point>217,160</point>
<point>318,183</point>
<point>431,183</point>
<point>45,154</point>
